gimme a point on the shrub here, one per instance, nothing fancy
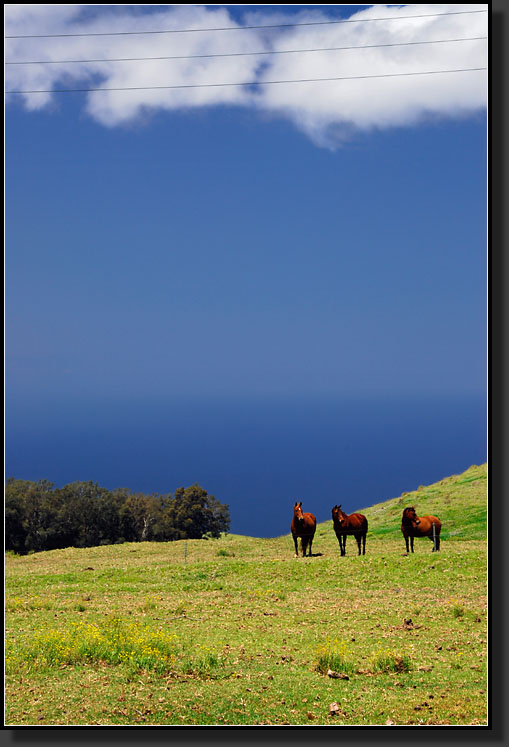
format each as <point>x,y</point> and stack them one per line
<point>385,660</point>
<point>223,553</point>
<point>207,665</point>
<point>333,655</point>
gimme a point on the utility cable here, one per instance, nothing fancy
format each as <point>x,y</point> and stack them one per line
<point>252,83</point>
<point>244,54</point>
<point>243,28</point>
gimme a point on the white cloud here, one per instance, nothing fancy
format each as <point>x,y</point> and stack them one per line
<point>326,111</point>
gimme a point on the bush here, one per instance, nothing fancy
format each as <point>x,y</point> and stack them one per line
<point>333,655</point>
<point>388,661</point>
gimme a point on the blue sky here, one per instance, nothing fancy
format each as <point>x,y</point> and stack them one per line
<point>292,243</point>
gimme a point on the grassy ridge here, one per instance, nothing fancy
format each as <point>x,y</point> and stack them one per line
<point>237,631</point>
<point>459,501</point>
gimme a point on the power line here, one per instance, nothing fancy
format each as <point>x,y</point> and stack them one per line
<point>242,28</point>
<point>252,83</point>
<point>244,54</point>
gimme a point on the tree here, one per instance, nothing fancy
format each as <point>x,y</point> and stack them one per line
<point>80,513</point>
<point>193,514</point>
<point>30,515</point>
<point>139,513</point>
<point>15,514</point>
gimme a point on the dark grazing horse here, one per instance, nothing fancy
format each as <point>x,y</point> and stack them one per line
<point>345,524</point>
<point>303,526</point>
<point>420,526</point>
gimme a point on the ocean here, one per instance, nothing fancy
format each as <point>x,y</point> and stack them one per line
<point>257,455</point>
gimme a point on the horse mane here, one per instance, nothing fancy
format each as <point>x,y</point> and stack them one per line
<point>405,519</point>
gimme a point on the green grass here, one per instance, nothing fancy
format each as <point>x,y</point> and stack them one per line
<point>459,501</point>
<point>238,632</point>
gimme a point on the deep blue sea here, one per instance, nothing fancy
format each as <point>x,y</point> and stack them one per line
<point>258,456</point>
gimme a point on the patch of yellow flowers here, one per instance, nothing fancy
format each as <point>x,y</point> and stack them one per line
<point>114,642</point>
<point>18,604</point>
<point>386,660</point>
<point>333,646</point>
<point>335,653</point>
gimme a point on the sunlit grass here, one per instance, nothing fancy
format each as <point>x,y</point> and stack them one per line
<point>387,660</point>
<point>115,642</point>
<point>335,655</point>
<point>163,634</point>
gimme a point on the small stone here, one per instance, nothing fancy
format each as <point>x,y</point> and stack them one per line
<point>337,675</point>
<point>334,709</point>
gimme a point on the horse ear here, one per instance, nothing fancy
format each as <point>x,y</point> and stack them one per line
<point>300,504</point>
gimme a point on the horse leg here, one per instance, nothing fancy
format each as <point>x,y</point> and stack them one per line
<point>412,543</point>
<point>364,543</point>
<point>344,544</point>
<point>295,540</point>
<point>310,545</point>
<point>358,538</point>
<point>304,546</point>
<point>406,543</point>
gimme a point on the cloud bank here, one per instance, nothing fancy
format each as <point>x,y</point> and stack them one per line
<point>327,111</point>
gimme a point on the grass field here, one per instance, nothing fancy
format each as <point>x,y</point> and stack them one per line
<point>236,631</point>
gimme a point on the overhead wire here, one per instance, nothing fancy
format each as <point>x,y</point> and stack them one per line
<point>243,28</point>
<point>244,54</point>
<point>238,54</point>
<point>250,83</point>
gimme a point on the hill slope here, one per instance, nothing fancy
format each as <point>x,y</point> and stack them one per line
<point>460,502</point>
<point>236,631</point>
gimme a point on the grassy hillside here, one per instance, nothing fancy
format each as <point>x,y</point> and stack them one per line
<point>237,631</point>
<point>459,501</point>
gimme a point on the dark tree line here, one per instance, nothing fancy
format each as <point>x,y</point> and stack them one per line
<point>39,516</point>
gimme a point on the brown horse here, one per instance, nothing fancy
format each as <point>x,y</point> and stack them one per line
<point>420,526</point>
<point>345,524</point>
<point>303,526</point>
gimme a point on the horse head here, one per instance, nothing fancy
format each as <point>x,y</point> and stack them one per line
<point>338,515</point>
<point>298,515</point>
<point>410,516</point>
